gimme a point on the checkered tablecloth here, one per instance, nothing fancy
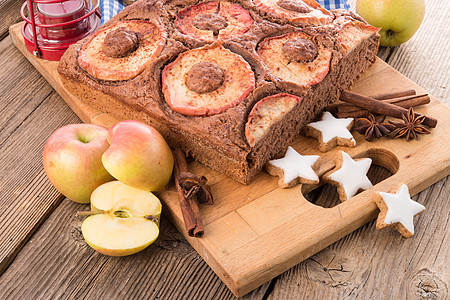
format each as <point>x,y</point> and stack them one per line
<point>111,7</point>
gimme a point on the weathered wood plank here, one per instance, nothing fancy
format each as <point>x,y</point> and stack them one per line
<point>186,281</point>
<point>22,88</point>
<point>26,195</point>
<point>169,269</point>
<point>371,264</point>
<point>380,264</point>
<point>57,263</point>
<point>9,15</point>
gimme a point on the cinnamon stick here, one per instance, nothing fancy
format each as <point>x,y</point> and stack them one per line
<point>391,95</point>
<point>380,107</point>
<point>189,207</point>
<point>347,110</point>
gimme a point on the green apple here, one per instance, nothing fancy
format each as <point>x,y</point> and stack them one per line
<point>398,19</point>
<point>138,156</point>
<point>72,160</point>
<point>124,220</point>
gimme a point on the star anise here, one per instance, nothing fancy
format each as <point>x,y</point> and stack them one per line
<point>196,186</point>
<point>372,127</point>
<point>410,127</point>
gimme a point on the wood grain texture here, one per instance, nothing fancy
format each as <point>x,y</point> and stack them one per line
<point>250,238</point>
<point>18,103</point>
<point>9,14</point>
<point>26,195</point>
<point>360,252</point>
<point>372,264</point>
<point>57,263</point>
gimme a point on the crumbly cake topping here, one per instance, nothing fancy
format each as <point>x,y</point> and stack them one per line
<point>300,50</point>
<point>120,42</point>
<point>204,77</point>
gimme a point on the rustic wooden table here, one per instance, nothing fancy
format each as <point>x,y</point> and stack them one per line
<point>43,255</point>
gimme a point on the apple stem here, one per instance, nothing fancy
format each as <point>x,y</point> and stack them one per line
<point>89,213</point>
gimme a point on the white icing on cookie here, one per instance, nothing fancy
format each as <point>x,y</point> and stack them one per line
<point>330,127</point>
<point>352,175</point>
<point>401,208</point>
<point>296,165</point>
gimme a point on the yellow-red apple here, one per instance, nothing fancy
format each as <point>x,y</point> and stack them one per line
<point>72,160</point>
<point>138,156</point>
<point>398,19</point>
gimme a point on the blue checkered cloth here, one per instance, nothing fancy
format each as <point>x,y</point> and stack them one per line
<point>109,8</point>
<point>334,4</point>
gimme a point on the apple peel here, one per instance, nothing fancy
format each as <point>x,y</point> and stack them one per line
<point>239,81</point>
<point>95,62</point>
<point>72,160</point>
<point>138,156</point>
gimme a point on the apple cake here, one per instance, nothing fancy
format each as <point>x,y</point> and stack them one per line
<point>232,83</point>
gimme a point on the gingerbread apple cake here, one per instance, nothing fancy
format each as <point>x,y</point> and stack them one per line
<point>232,83</point>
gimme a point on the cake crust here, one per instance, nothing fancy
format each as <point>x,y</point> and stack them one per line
<point>218,139</point>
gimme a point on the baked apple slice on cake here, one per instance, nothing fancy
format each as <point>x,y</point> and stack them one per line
<point>267,112</point>
<point>211,21</point>
<point>302,12</point>
<point>123,50</point>
<point>353,32</point>
<point>295,57</point>
<point>207,81</point>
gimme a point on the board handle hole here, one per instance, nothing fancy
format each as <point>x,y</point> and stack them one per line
<point>384,165</point>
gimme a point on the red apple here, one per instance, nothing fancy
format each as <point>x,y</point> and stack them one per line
<point>72,160</point>
<point>138,156</point>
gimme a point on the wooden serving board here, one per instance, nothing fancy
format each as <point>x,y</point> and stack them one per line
<point>255,232</point>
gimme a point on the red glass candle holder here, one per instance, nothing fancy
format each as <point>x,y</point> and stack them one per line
<point>51,26</point>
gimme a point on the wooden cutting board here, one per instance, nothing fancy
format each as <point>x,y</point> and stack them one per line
<point>255,232</point>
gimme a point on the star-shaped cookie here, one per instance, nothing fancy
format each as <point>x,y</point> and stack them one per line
<point>331,132</point>
<point>397,210</point>
<point>349,175</point>
<point>293,169</point>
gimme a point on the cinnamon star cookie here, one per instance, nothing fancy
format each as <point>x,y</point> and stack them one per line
<point>331,132</point>
<point>349,175</point>
<point>397,210</point>
<point>293,169</point>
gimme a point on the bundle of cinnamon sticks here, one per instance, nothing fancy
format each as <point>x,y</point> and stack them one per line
<point>393,104</point>
<point>191,191</point>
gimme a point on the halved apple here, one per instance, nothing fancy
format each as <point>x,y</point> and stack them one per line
<point>306,12</point>
<point>150,42</point>
<point>267,112</point>
<point>235,86</point>
<point>125,220</point>
<point>271,51</point>
<point>213,20</point>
